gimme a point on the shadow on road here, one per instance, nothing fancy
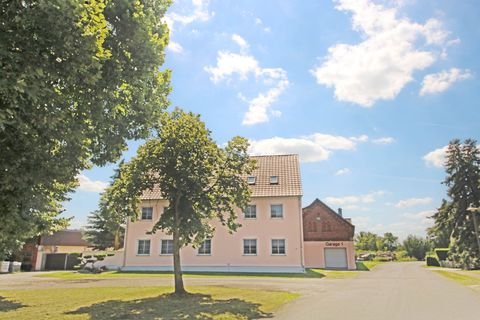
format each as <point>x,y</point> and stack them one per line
<point>169,306</point>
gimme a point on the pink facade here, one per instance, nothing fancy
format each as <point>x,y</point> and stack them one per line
<point>271,238</point>
<point>227,250</point>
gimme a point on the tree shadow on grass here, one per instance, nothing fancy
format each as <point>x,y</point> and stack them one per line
<point>361,266</point>
<point>170,306</point>
<point>6,305</point>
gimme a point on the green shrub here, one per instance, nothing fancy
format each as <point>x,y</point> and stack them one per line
<point>442,253</point>
<point>432,261</point>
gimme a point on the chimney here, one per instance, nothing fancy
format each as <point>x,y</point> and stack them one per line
<point>340,212</point>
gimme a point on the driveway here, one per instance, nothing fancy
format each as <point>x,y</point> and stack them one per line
<point>393,291</point>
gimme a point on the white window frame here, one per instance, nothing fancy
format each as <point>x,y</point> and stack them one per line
<point>271,207</point>
<point>205,253</point>
<point>149,247</point>
<point>245,213</point>
<point>251,180</point>
<point>161,247</point>
<point>151,217</point>
<point>256,247</point>
<point>274,179</point>
<point>284,247</point>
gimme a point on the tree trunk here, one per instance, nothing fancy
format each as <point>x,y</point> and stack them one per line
<point>475,226</point>
<point>177,268</point>
<point>116,241</point>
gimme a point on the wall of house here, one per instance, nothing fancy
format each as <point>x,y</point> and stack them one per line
<point>321,224</point>
<point>227,249</point>
<point>315,253</point>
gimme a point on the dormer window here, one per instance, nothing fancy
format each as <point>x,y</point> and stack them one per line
<point>273,179</point>
<point>251,180</point>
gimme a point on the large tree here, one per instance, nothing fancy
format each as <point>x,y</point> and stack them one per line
<point>441,231</point>
<point>200,180</point>
<point>366,241</point>
<point>78,79</point>
<point>463,182</point>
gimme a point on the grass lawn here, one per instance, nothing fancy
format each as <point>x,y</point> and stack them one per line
<point>310,273</point>
<point>461,277</point>
<point>367,265</point>
<point>141,303</point>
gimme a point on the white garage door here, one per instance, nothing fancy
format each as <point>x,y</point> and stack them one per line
<point>336,258</point>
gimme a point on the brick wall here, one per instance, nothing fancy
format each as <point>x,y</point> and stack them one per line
<point>320,223</point>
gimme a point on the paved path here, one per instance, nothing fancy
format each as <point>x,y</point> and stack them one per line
<point>393,291</point>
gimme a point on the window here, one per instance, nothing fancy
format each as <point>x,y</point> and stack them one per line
<point>250,212</point>
<point>143,247</point>
<point>205,248</point>
<point>312,226</point>
<point>250,246</point>
<point>276,211</point>
<point>147,213</point>
<point>251,180</point>
<point>278,246</point>
<point>166,247</point>
<point>273,179</point>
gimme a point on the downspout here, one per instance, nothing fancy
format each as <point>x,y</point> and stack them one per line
<point>302,255</point>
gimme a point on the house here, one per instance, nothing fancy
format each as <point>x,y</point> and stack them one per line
<point>328,238</point>
<point>269,240</point>
<point>53,252</point>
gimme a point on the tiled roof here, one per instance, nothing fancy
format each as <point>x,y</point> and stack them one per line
<point>285,167</point>
<point>64,238</point>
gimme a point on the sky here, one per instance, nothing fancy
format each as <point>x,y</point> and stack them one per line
<point>368,93</point>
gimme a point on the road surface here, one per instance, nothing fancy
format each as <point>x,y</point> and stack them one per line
<point>392,291</point>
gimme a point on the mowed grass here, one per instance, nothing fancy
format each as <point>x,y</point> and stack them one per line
<point>368,265</point>
<point>309,273</point>
<point>462,277</point>
<point>141,303</point>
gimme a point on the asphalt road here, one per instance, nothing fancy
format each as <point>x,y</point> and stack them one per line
<point>392,291</point>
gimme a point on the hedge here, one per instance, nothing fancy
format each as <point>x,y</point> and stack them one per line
<point>442,253</point>
<point>432,261</point>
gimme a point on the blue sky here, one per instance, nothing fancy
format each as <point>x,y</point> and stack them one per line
<point>367,92</point>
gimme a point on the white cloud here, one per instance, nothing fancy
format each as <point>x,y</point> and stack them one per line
<point>436,157</point>
<point>245,65</point>
<point>439,82</point>
<point>88,185</point>
<point>421,217</point>
<point>380,66</point>
<point>362,138</point>
<point>384,140</point>
<point>197,11</point>
<point>354,199</point>
<point>175,47</point>
<point>342,172</point>
<point>411,202</point>
<point>312,148</point>
<point>240,41</point>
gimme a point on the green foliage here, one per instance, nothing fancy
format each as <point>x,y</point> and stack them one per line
<point>200,180</point>
<point>432,261</point>
<point>78,79</point>
<point>366,241</point>
<point>416,247</point>
<point>442,253</point>
<point>453,219</point>
<point>402,256</point>
<point>105,227</point>
<point>369,241</point>
<point>439,234</point>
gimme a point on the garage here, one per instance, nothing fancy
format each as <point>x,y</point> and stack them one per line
<point>336,258</point>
